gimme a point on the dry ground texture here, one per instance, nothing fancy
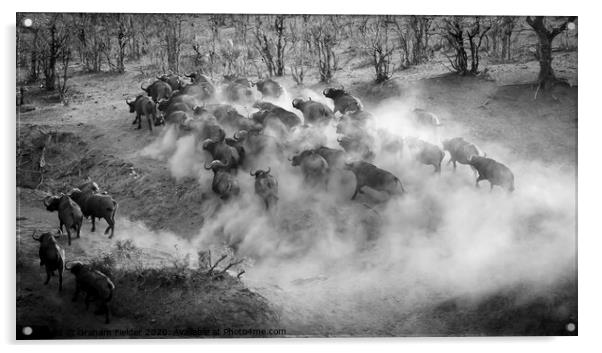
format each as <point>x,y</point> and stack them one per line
<point>158,214</point>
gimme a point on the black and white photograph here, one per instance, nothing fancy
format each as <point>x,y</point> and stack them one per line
<point>246,175</point>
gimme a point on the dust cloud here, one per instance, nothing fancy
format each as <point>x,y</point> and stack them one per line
<point>326,258</point>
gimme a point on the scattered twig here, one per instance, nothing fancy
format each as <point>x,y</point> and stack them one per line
<point>537,91</point>
<point>230,265</point>
<point>240,274</point>
<point>216,263</point>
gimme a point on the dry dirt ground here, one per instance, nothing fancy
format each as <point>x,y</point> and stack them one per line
<point>93,136</point>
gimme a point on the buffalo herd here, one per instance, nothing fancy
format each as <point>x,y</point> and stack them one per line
<point>190,104</point>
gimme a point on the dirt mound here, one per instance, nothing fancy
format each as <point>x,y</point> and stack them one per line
<point>55,161</point>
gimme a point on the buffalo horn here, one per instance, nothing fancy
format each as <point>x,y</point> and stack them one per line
<point>46,200</point>
<point>67,263</point>
<point>207,142</point>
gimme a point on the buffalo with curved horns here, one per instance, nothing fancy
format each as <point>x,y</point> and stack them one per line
<point>343,101</point>
<point>224,183</point>
<point>369,175</point>
<point>266,187</point>
<point>70,213</point>
<point>313,112</point>
<point>313,166</point>
<point>143,106</point>
<point>95,284</point>
<point>158,90</point>
<point>96,206</point>
<point>51,255</point>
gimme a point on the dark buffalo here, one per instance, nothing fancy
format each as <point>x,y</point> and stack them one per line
<point>263,105</point>
<point>268,111</point>
<point>313,166</point>
<point>343,101</point>
<point>231,119</point>
<point>237,142</point>
<point>313,112</point>
<point>169,108</point>
<point>201,88</point>
<point>334,157</point>
<point>197,77</point>
<point>279,121</point>
<point>95,284</point>
<point>256,143</point>
<point>266,187</point>
<point>224,183</point>
<point>51,256</point>
<point>243,81</point>
<point>96,206</point>
<point>426,153</point>
<point>172,80</point>
<point>208,129</point>
<point>158,90</point>
<point>177,101</point>
<point>89,185</point>
<point>369,175</point>
<point>177,118</point>
<point>70,213</point>
<point>269,88</point>
<point>143,106</point>
<point>223,152</point>
<point>496,172</point>
<point>203,91</point>
<point>460,150</point>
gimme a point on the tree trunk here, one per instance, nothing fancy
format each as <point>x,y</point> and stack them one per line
<point>544,53</point>
<point>50,71</point>
<point>546,77</point>
<point>280,45</point>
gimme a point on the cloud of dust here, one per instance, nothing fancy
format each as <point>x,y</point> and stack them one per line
<point>361,261</point>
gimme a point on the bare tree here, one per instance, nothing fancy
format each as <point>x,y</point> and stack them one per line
<point>457,30</point>
<point>403,31</point>
<point>475,35</point>
<point>324,33</point>
<point>299,48</point>
<point>546,34</point>
<point>281,43</point>
<point>375,34</point>
<point>264,45</point>
<point>172,39</point>
<point>454,33</point>
<point>420,26</point>
<point>271,42</point>
<point>123,31</point>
